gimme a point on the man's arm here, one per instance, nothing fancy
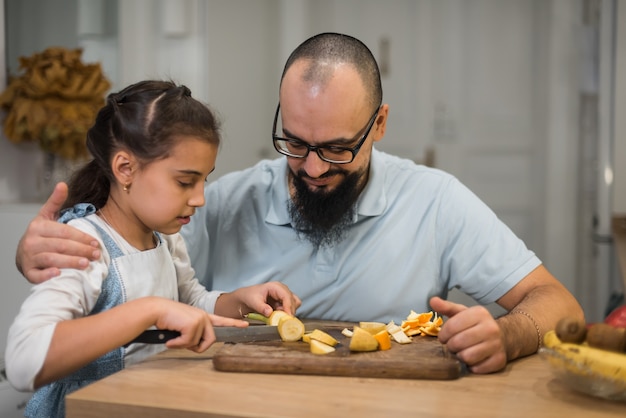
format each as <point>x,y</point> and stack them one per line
<point>485,344</point>
<point>48,246</point>
<point>535,305</point>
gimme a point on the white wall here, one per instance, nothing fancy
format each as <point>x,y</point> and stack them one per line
<point>231,53</point>
<point>203,66</point>
<point>13,222</point>
<point>21,166</point>
<point>619,193</point>
<point>222,50</point>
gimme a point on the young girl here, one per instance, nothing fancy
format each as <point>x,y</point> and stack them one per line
<point>153,146</point>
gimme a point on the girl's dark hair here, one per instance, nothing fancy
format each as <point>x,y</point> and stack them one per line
<point>145,119</point>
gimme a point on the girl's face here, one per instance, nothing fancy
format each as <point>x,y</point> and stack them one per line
<point>164,194</point>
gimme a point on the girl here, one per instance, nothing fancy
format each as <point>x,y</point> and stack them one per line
<point>153,146</point>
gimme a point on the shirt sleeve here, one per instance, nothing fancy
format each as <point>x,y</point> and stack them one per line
<point>71,295</point>
<point>196,236</point>
<point>190,291</point>
<point>481,255</point>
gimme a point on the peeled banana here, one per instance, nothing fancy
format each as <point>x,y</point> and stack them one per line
<point>585,360</point>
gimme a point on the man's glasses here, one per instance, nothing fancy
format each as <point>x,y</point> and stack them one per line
<point>296,148</point>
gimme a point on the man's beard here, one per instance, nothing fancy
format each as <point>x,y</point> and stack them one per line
<point>323,217</point>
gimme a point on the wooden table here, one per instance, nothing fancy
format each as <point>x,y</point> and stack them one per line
<point>182,384</point>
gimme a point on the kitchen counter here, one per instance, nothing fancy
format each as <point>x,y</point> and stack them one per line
<point>179,383</point>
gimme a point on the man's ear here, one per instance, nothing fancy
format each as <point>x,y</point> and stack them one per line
<point>380,125</point>
<point>124,166</point>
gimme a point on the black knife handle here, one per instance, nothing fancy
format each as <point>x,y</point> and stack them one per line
<point>155,336</point>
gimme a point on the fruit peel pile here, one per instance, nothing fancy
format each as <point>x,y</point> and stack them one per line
<point>375,336</point>
<point>366,336</point>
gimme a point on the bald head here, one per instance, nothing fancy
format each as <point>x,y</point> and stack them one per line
<point>325,52</point>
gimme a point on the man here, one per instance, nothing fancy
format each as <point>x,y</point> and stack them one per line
<point>357,234</point>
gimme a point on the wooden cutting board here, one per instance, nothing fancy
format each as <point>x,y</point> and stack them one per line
<point>424,358</point>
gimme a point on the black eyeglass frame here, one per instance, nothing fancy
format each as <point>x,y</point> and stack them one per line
<point>319,148</point>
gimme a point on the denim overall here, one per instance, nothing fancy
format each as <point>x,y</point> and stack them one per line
<point>130,276</point>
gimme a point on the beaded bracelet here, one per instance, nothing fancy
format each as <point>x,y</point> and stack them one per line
<point>519,311</point>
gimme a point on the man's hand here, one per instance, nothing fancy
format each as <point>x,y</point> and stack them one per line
<point>472,334</point>
<point>47,246</point>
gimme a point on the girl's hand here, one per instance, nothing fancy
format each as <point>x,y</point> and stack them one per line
<point>267,297</point>
<point>262,298</point>
<point>194,325</point>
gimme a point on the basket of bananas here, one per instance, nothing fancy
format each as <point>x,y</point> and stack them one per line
<point>588,358</point>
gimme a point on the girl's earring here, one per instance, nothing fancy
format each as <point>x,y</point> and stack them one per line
<point>126,187</point>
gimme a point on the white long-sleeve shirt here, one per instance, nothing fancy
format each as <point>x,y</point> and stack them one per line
<point>74,293</point>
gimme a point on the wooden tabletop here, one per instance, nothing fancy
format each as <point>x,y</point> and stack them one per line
<point>181,384</point>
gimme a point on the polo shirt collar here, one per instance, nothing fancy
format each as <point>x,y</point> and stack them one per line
<point>373,200</point>
<point>277,213</point>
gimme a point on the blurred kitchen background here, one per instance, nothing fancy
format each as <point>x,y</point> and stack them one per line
<point>523,100</point>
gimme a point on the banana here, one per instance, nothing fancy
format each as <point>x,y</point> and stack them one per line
<point>550,339</point>
<point>583,359</point>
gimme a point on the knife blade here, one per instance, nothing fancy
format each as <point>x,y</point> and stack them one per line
<point>251,333</point>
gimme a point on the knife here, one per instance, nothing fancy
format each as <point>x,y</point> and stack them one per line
<point>251,333</point>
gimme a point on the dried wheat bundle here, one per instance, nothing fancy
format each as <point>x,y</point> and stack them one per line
<point>54,101</point>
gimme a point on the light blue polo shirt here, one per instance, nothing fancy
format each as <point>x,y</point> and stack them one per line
<point>418,232</point>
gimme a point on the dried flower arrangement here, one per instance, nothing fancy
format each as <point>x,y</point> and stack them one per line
<point>54,101</point>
